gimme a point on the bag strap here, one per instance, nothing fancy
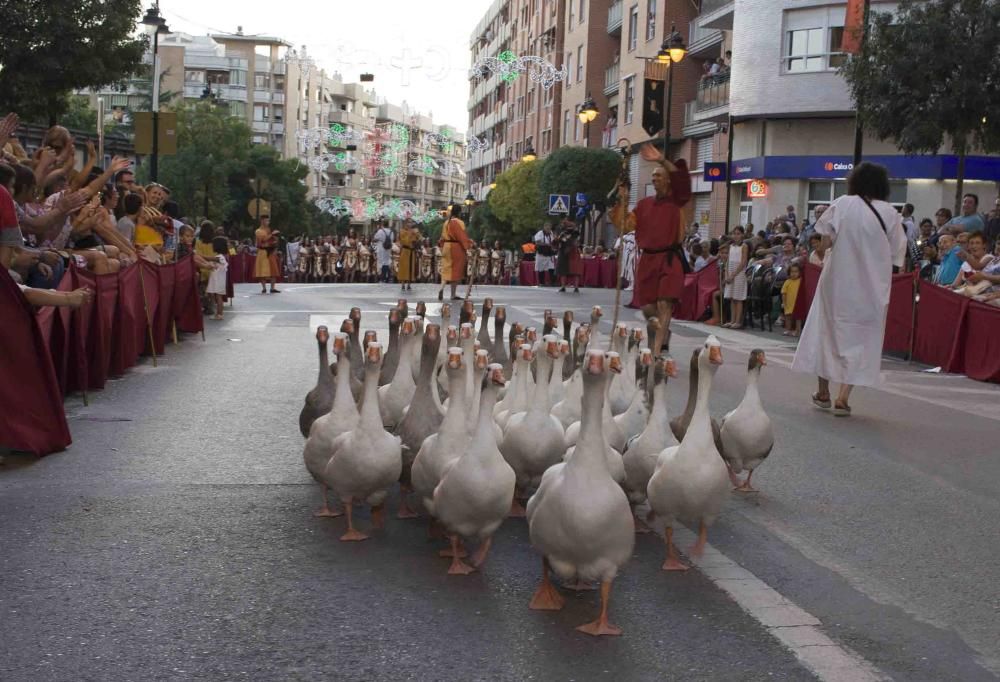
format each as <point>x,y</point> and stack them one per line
<point>877,215</point>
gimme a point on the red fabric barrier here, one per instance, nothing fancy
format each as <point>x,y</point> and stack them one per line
<point>609,270</point>
<point>77,360</point>
<point>810,280</point>
<point>528,276</point>
<point>33,419</point>
<point>899,318</point>
<point>106,298</point>
<point>697,295</point>
<point>55,326</point>
<point>979,347</point>
<point>187,305</point>
<point>132,315</point>
<point>686,308</point>
<point>164,320</point>
<point>149,285</point>
<point>591,272</point>
<point>708,284</point>
<point>939,319</point>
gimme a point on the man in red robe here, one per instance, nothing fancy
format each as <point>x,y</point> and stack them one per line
<point>454,243</point>
<point>659,234</point>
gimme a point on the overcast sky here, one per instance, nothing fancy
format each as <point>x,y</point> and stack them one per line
<point>352,37</point>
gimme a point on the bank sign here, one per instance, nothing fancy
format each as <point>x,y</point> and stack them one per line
<point>838,167</point>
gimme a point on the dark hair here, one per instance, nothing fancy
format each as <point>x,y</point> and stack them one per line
<point>739,228</point>
<point>788,239</point>
<point>132,203</point>
<point>926,221</point>
<point>24,179</point>
<point>696,249</point>
<point>107,191</point>
<point>909,208</point>
<point>456,211</point>
<point>6,174</point>
<point>945,211</point>
<point>978,235</point>
<point>794,264</point>
<point>119,174</point>
<point>815,237</point>
<point>869,180</point>
<point>172,209</point>
<point>206,232</point>
<point>975,197</point>
<point>220,245</point>
<point>713,247</point>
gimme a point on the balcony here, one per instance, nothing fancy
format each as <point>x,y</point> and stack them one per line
<point>717,14</point>
<point>704,42</point>
<point>261,96</point>
<point>278,97</point>
<point>261,126</point>
<point>615,16</point>
<point>612,79</point>
<point>713,93</point>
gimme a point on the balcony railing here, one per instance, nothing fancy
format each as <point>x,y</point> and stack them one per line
<point>713,92</point>
<point>615,15</point>
<point>709,6</point>
<point>612,79</point>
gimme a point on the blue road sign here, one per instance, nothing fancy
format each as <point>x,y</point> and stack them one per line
<point>559,203</point>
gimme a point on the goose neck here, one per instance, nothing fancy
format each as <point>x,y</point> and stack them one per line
<point>454,418</point>
<point>752,395</point>
<point>325,375</point>
<point>370,415</point>
<point>487,401</point>
<point>541,397</point>
<point>592,403</point>
<point>343,395</point>
<point>701,416</point>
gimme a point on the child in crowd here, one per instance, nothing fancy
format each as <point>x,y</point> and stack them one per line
<point>217,280</point>
<point>789,293</point>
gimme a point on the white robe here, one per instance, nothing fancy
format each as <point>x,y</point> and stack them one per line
<point>842,339</point>
<point>543,263</point>
<point>382,255</point>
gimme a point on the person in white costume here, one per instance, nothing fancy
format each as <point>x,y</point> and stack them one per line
<point>545,251</point>
<point>842,339</point>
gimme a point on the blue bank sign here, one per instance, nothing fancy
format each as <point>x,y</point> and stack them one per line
<point>837,167</point>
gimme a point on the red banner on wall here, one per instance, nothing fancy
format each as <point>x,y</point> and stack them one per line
<point>854,25</point>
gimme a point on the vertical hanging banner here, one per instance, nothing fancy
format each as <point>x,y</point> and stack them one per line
<point>854,27</point>
<point>655,79</point>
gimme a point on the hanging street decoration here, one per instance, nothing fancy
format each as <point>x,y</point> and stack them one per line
<point>374,208</point>
<point>509,66</point>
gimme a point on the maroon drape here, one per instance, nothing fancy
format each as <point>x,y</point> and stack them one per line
<point>609,270</point>
<point>807,290</point>
<point>899,319</point>
<point>32,417</point>
<point>132,314</point>
<point>56,324</point>
<point>528,276</point>
<point>106,305</point>
<point>591,272</point>
<point>149,285</point>
<point>979,348</point>
<point>77,360</point>
<point>939,318</point>
<point>698,289</point>
<point>187,305</point>
<point>164,319</point>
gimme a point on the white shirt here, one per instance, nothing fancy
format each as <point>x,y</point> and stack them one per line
<point>543,262</point>
<point>842,339</point>
<point>383,255</point>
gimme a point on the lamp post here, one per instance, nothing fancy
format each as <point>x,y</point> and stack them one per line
<point>587,113</point>
<point>155,25</point>
<point>672,51</point>
<point>469,199</point>
<point>529,154</point>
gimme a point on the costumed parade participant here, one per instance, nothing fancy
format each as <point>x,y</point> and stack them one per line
<point>454,244</point>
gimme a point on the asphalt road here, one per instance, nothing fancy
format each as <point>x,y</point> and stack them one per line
<point>175,540</point>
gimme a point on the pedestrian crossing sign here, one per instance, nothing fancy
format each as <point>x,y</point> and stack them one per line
<point>558,203</point>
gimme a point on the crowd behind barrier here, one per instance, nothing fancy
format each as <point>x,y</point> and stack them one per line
<point>598,273</point>
<point>54,352</point>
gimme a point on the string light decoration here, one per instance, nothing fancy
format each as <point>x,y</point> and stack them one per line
<point>373,208</point>
<point>475,144</point>
<point>509,66</point>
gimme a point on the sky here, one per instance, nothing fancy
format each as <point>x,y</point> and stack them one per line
<point>418,51</point>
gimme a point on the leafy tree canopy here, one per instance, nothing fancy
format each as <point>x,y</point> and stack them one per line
<point>569,170</point>
<point>517,199</point>
<point>485,225</point>
<point>930,72</point>
<point>48,49</point>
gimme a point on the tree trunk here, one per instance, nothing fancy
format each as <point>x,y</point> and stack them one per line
<point>960,150</point>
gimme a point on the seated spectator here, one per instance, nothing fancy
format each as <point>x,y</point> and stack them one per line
<point>928,262</point>
<point>817,250</point>
<point>992,230</point>
<point>942,217</point>
<point>131,205</point>
<point>974,258</point>
<point>948,252</point>
<point>810,229</point>
<point>969,220</point>
<point>698,255</point>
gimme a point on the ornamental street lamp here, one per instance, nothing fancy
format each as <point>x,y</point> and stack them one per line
<point>529,154</point>
<point>587,113</point>
<point>672,51</point>
<point>155,25</point>
<point>469,199</point>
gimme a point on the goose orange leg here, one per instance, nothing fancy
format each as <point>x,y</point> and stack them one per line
<point>673,562</point>
<point>325,511</point>
<point>480,556</point>
<point>378,516</point>
<point>640,526</point>
<point>516,508</point>
<point>352,534</point>
<point>699,547</point>
<point>546,597</point>
<point>405,511</point>
<point>458,546</point>
<point>745,486</point>
<point>601,626</point>
<point>458,567</point>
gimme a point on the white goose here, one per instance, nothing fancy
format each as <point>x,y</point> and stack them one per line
<point>366,460</point>
<point>643,451</point>
<point>613,434</point>
<point>397,394</point>
<point>612,456</point>
<point>691,482</point>
<point>747,436</point>
<point>595,326</point>
<point>480,363</point>
<point>439,449</point>
<point>557,387</point>
<point>341,418</point>
<point>633,420</point>
<point>567,410</point>
<point>422,418</point>
<point>440,375</point>
<point>475,493</point>
<point>418,338</point>
<point>621,389</point>
<point>320,399</point>
<point>533,440</point>
<point>580,519</point>
<point>391,360</point>
<point>515,400</point>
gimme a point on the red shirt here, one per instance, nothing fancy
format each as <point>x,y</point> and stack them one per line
<point>658,221</point>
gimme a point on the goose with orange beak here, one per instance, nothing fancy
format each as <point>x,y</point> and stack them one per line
<point>691,481</point>
<point>747,436</point>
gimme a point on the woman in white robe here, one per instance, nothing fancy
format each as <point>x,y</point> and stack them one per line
<point>842,339</point>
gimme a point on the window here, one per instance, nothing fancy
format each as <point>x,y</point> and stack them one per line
<point>238,109</point>
<point>260,112</point>
<point>812,39</point>
<point>576,128</point>
<point>650,19</point>
<point>583,11</point>
<point>531,101</point>
<point>629,99</point>
<point>261,81</point>
<point>520,107</point>
<point>570,25</point>
<point>238,77</point>
<point>633,27</point>
<point>260,139</point>
<point>569,68</point>
<point>194,77</point>
<point>565,129</point>
<point>579,64</point>
<point>824,193</point>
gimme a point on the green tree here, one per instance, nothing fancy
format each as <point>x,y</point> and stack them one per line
<point>485,225</point>
<point>929,72</point>
<point>517,199</point>
<point>281,185</point>
<point>569,170</point>
<point>211,146</point>
<point>48,49</point>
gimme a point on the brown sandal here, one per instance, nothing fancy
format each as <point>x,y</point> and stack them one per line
<point>823,404</point>
<point>841,409</point>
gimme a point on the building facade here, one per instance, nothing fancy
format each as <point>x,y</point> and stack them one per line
<point>793,120</point>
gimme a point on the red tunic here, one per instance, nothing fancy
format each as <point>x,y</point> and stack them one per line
<point>659,225</point>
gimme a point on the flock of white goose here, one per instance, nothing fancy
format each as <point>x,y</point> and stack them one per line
<point>555,428</point>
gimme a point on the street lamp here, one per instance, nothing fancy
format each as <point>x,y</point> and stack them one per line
<point>671,51</point>
<point>154,25</point>
<point>469,199</point>
<point>587,113</point>
<point>529,154</point>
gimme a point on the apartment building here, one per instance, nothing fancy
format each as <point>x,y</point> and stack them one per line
<point>794,124</point>
<point>592,61</point>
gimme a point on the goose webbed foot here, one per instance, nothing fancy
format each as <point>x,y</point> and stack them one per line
<point>673,562</point>
<point>450,552</point>
<point>546,597</point>
<point>352,534</point>
<point>517,509</point>
<point>601,626</point>
<point>378,516</point>
<point>480,556</point>
<point>458,567</point>
<point>698,548</point>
